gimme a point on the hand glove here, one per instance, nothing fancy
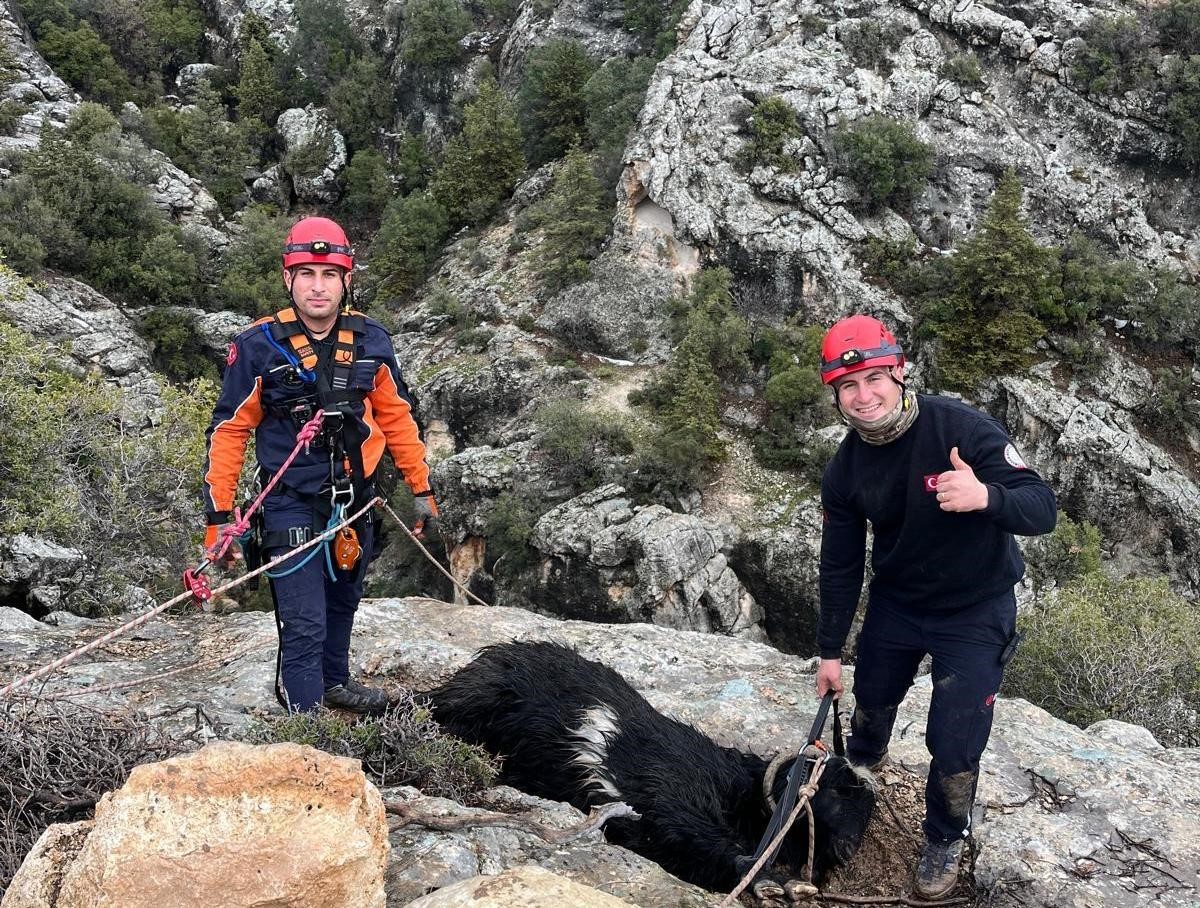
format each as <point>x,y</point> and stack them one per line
<point>213,535</point>
<point>427,513</point>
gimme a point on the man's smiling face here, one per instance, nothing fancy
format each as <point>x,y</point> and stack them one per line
<point>870,394</point>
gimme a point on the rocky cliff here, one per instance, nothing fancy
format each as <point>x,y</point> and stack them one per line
<point>1066,818</point>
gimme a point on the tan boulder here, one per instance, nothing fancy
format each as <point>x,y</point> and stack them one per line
<point>519,887</point>
<point>233,824</point>
<point>38,881</point>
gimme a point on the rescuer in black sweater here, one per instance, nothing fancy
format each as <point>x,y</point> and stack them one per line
<point>944,490</point>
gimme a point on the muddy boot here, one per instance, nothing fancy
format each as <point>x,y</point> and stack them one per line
<point>356,698</point>
<point>937,872</point>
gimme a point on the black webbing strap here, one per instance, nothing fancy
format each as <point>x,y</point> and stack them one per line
<point>799,773</point>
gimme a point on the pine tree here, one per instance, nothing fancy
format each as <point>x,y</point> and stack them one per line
<point>257,91</point>
<point>482,162</point>
<point>576,221</point>
<point>408,240</point>
<point>553,111</point>
<point>432,30</point>
<point>1001,282</point>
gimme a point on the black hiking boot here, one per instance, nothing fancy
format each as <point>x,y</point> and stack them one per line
<point>356,698</point>
<point>937,872</point>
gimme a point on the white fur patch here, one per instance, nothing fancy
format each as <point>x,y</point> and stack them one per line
<point>597,727</point>
<point>867,777</point>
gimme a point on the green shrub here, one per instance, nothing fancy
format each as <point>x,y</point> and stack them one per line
<point>797,402</point>
<point>250,275</point>
<point>614,96</point>
<point>72,455</point>
<point>404,746</point>
<point>412,163</point>
<point>1166,412</point>
<point>368,185</point>
<point>409,239</point>
<point>575,219</point>
<point>482,163</point>
<point>963,69</point>
<point>1069,553</point>
<point>10,115</point>
<point>715,341</point>
<point>432,30</point>
<point>1127,650</point>
<point>78,55</point>
<point>1182,87</point>
<point>176,346</point>
<point>551,104</point>
<point>871,44</point>
<point>324,45</point>
<point>509,527</point>
<point>308,160</point>
<point>361,101</point>
<point>581,445</point>
<point>1093,284</point>
<point>167,272</point>
<point>1178,24</point>
<point>654,22</point>
<point>258,93</point>
<point>773,123</point>
<point>884,158</point>
<point>150,39</point>
<point>1000,282</point>
<point>1116,57</point>
<point>71,210</point>
<point>201,140</point>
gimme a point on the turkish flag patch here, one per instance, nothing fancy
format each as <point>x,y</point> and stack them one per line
<point>232,355</point>
<point>930,482</point>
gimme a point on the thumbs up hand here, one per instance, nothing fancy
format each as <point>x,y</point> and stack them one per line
<point>958,489</point>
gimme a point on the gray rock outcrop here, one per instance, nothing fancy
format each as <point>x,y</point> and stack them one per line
<point>314,153</point>
<point>1066,818</point>
<point>606,559</point>
<point>95,334</point>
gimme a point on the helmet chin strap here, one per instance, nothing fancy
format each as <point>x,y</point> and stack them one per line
<point>889,427</point>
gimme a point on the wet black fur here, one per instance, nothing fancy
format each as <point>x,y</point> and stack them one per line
<point>701,804</point>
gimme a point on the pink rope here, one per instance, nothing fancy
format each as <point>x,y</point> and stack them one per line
<point>241,522</point>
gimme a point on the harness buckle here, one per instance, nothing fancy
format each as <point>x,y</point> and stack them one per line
<point>297,536</point>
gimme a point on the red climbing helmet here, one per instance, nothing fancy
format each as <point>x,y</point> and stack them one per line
<point>317,241</point>
<point>856,343</point>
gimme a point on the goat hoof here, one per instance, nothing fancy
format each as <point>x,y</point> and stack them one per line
<point>768,890</point>
<point>799,891</point>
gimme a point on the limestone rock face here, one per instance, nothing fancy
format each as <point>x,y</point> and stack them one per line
<point>626,563</point>
<point>37,571</point>
<point>235,825</point>
<point>99,336</point>
<point>1092,454</point>
<point>314,153</point>
<point>518,887</point>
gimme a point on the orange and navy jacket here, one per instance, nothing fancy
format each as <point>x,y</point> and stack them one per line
<point>259,387</point>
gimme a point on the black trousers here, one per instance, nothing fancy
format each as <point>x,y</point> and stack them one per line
<point>314,611</point>
<point>966,645</point>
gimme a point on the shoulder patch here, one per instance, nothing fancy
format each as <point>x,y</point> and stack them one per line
<point>232,355</point>
<point>1013,457</point>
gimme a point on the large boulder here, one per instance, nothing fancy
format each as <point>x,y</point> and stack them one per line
<point>610,560</point>
<point>35,574</point>
<point>314,153</point>
<point>231,825</point>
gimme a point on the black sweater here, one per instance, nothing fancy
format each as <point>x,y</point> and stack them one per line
<point>924,557</point>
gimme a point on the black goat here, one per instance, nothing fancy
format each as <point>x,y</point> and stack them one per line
<point>570,729</point>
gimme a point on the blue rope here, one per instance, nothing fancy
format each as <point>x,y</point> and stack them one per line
<point>334,519</point>
<point>305,375</point>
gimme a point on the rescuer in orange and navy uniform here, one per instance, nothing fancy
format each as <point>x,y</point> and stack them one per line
<point>316,354</point>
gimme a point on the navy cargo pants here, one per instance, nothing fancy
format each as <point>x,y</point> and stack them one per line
<point>967,646</point>
<point>314,613</point>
